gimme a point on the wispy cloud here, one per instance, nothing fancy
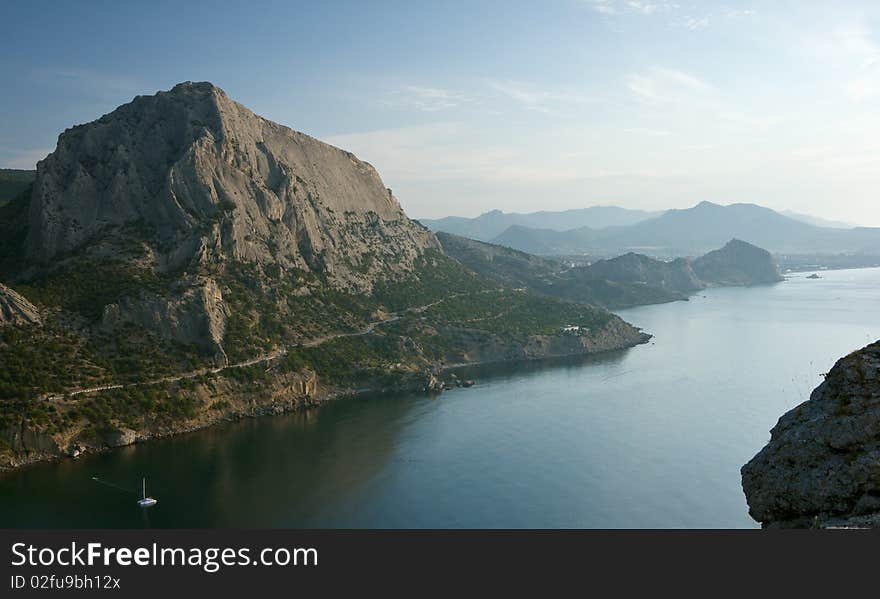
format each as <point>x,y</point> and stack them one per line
<point>453,151</point>
<point>850,50</point>
<point>489,96</point>
<point>695,23</point>
<point>428,99</point>
<point>437,151</point>
<point>645,131</point>
<point>663,85</point>
<point>689,16</point>
<point>615,7</point>
<point>540,100</point>
<point>696,20</point>
<point>738,13</point>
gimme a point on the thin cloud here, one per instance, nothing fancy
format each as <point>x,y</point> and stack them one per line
<point>639,7</point>
<point>663,85</point>
<point>694,23</point>
<point>453,151</point>
<point>648,132</point>
<point>428,99</point>
<point>539,100</point>
<point>849,49</point>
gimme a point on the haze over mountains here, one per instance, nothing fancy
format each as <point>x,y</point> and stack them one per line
<point>694,231</point>
<point>491,224</point>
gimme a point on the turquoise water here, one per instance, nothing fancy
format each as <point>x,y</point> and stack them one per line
<point>652,437</point>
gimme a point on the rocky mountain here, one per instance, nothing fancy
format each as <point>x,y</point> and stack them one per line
<point>822,464</point>
<point>212,180</point>
<point>628,280</point>
<point>697,230</point>
<point>173,196</point>
<point>491,224</point>
<point>737,263</point>
<point>182,261</point>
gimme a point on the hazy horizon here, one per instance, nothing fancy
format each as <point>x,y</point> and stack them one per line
<point>466,108</point>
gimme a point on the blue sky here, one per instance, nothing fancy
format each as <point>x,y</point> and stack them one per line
<point>468,106</point>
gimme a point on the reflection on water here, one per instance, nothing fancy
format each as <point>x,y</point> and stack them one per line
<point>649,437</point>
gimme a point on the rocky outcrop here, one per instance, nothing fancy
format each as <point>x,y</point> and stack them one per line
<point>481,347</point>
<point>212,181</point>
<point>195,315</point>
<point>737,263</point>
<point>822,464</point>
<point>14,309</point>
<point>119,437</point>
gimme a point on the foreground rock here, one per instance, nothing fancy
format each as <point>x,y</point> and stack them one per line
<point>822,464</point>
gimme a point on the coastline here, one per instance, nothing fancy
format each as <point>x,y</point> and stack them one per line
<point>283,394</point>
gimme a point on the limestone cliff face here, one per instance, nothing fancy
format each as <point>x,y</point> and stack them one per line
<point>822,464</point>
<point>16,310</point>
<point>194,314</point>
<point>212,181</point>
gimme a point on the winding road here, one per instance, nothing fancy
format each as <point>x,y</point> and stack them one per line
<point>273,355</point>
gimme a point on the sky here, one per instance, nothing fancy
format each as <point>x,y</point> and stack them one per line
<point>465,107</point>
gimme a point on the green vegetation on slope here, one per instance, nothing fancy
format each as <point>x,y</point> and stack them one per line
<point>434,276</point>
<point>515,313</point>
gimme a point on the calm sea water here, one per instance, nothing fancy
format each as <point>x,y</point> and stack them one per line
<point>649,437</point>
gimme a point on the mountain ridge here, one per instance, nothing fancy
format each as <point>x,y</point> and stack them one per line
<point>627,280</point>
<point>696,230</point>
<point>494,222</point>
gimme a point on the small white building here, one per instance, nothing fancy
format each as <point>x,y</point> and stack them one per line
<point>570,329</point>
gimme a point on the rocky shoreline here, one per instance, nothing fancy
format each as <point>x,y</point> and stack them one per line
<point>230,401</point>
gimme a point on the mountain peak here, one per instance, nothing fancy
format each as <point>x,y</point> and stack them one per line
<point>195,87</point>
<point>737,263</point>
<point>213,182</point>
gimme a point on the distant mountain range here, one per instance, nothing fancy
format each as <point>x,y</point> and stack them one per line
<point>694,231</point>
<point>491,224</point>
<point>623,281</point>
<point>815,220</point>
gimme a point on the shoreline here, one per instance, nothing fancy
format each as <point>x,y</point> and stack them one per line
<point>288,404</point>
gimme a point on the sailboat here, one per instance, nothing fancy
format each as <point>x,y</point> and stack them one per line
<point>146,501</point>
